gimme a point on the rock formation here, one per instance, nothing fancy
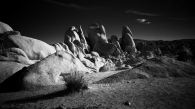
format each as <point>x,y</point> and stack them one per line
<point>72,32</point>
<point>96,34</point>
<point>75,40</point>
<point>83,41</point>
<point>4,27</point>
<point>45,73</point>
<point>16,55</point>
<point>105,49</point>
<point>127,40</point>
<point>115,41</point>
<point>35,49</point>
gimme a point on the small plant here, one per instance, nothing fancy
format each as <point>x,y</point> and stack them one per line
<point>191,62</point>
<point>75,82</point>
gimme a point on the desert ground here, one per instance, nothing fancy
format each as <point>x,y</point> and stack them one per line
<point>155,84</point>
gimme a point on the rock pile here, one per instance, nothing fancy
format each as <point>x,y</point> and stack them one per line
<point>31,61</point>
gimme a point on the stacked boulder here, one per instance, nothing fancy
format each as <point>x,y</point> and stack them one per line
<point>77,43</point>
<point>115,41</point>
<point>99,42</point>
<point>28,63</point>
<point>127,42</point>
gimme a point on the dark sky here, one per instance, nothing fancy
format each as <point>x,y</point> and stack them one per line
<point>48,20</point>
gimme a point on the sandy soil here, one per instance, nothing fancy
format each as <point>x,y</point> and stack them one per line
<point>123,89</point>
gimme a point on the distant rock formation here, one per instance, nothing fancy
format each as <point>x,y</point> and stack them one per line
<point>115,41</point>
<point>45,73</point>
<point>96,34</point>
<point>127,40</point>
<point>83,41</point>
<point>105,49</point>
<point>4,28</point>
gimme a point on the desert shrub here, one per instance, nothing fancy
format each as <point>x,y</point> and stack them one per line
<point>75,82</point>
<point>190,61</point>
<point>185,54</point>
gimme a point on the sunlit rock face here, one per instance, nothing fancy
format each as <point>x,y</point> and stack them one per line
<point>34,49</point>
<point>96,34</point>
<point>83,41</point>
<point>15,55</point>
<point>46,72</point>
<point>72,32</point>
<point>71,36</point>
<point>76,41</point>
<point>127,39</point>
<point>4,27</point>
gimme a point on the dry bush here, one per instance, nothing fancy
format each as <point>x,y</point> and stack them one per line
<point>191,62</point>
<point>75,82</point>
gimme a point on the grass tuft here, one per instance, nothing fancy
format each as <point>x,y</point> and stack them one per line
<point>75,82</point>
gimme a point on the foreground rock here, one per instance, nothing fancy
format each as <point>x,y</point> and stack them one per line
<point>44,73</point>
<point>15,55</point>
<point>8,68</point>
<point>34,49</point>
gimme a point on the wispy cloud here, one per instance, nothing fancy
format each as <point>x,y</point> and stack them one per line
<point>141,13</point>
<point>143,21</point>
<point>75,6</point>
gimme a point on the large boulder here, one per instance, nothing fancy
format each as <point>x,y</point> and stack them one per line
<point>8,68</point>
<point>47,72</point>
<point>4,27</point>
<point>96,34</point>
<point>105,49</point>
<point>72,32</point>
<point>15,55</point>
<point>127,39</point>
<point>35,49</point>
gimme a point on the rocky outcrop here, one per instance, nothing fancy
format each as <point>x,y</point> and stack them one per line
<point>73,33</point>
<point>4,28</point>
<point>76,41</point>
<point>47,72</point>
<point>105,49</point>
<point>83,41</point>
<point>96,34</point>
<point>115,41</point>
<point>127,40</point>
<point>35,49</point>
<point>16,55</point>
